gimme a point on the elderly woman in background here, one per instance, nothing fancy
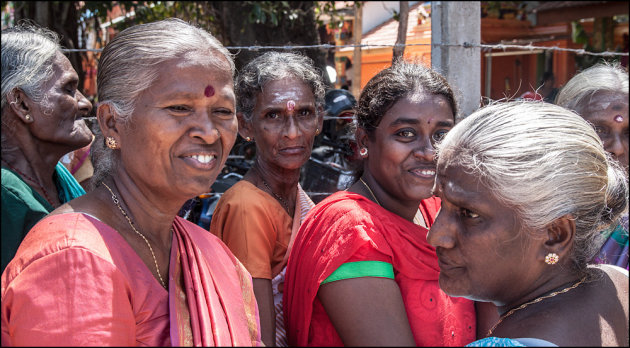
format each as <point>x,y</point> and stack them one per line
<point>280,102</point>
<point>42,120</point>
<point>361,271</point>
<point>600,95</point>
<point>525,189</point>
<point>117,266</point>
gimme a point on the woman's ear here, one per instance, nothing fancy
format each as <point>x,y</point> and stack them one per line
<point>361,137</point>
<point>560,234</point>
<point>320,119</point>
<point>20,104</point>
<point>108,121</point>
<point>244,127</point>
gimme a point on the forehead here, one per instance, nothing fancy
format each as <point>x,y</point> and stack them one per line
<point>192,77</point>
<point>62,69</point>
<point>420,106</point>
<point>285,89</point>
<point>602,103</point>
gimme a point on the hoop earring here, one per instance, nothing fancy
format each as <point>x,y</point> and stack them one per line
<point>111,143</point>
<point>363,152</point>
<point>551,259</point>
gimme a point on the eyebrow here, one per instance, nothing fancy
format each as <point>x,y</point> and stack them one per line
<point>404,120</point>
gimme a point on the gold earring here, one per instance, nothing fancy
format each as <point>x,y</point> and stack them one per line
<point>27,117</point>
<point>551,259</point>
<point>363,152</point>
<point>111,143</point>
<point>248,138</point>
<point>317,131</point>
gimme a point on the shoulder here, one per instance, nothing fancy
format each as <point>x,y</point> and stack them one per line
<point>13,184</point>
<point>57,233</point>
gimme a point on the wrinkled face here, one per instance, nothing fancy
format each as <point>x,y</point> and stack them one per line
<point>608,112</point>
<point>284,122</point>
<point>182,129</point>
<point>482,255</point>
<point>58,118</point>
<point>401,155</point>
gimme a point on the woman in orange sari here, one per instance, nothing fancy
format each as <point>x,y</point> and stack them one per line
<point>117,266</point>
<point>361,271</point>
<point>280,98</point>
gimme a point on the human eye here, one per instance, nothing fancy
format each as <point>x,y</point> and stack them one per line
<point>439,135</point>
<point>179,109</point>
<point>224,112</point>
<point>272,115</point>
<point>305,113</point>
<point>406,134</point>
<point>468,214</point>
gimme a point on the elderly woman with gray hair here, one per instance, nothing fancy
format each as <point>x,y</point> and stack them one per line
<point>600,95</point>
<point>280,102</point>
<point>42,120</point>
<point>117,266</point>
<point>525,189</point>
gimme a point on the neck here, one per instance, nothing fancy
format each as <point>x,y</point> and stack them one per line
<point>282,183</point>
<point>405,209</point>
<point>545,287</point>
<point>151,214</point>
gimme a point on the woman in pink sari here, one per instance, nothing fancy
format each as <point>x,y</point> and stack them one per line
<point>118,267</point>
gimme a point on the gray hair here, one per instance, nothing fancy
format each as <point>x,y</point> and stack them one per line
<point>545,162</point>
<point>273,66</point>
<point>576,94</point>
<point>28,51</point>
<point>130,64</point>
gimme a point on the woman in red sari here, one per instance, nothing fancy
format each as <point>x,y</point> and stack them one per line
<point>361,271</point>
<point>117,267</point>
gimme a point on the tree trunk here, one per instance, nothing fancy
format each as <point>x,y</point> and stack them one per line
<point>399,51</point>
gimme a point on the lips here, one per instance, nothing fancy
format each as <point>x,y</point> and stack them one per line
<point>201,160</point>
<point>446,265</point>
<point>292,150</point>
<point>424,172</point>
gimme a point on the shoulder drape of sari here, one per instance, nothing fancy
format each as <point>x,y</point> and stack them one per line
<point>335,229</point>
<point>220,307</point>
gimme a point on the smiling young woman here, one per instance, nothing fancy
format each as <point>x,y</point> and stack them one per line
<point>361,271</point>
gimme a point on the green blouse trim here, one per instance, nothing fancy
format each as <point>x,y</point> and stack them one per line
<point>359,269</point>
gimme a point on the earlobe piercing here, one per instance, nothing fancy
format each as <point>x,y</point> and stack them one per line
<point>248,138</point>
<point>27,117</point>
<point>111,143</point>
<point>363,152</point>
<point>551,259</point>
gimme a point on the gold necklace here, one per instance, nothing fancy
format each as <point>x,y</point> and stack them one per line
<point>115,199</point>
<point>534,301</point>
<point>372,193</point>
<point>284,203</point>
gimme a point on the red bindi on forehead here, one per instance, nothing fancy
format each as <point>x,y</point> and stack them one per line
<point>209,91</point>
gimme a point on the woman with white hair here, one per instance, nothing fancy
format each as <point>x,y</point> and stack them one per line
<point>600,95</point>
<point>525,188</point>
<point>117,266</point>
<point>42,120</point>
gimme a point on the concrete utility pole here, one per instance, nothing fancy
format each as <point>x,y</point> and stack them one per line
<point>357,31</point>
<point>456,23</point>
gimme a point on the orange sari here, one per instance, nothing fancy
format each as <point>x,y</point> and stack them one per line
<point>75,281</point>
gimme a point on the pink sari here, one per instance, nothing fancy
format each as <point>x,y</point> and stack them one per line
<point>75,281</point>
